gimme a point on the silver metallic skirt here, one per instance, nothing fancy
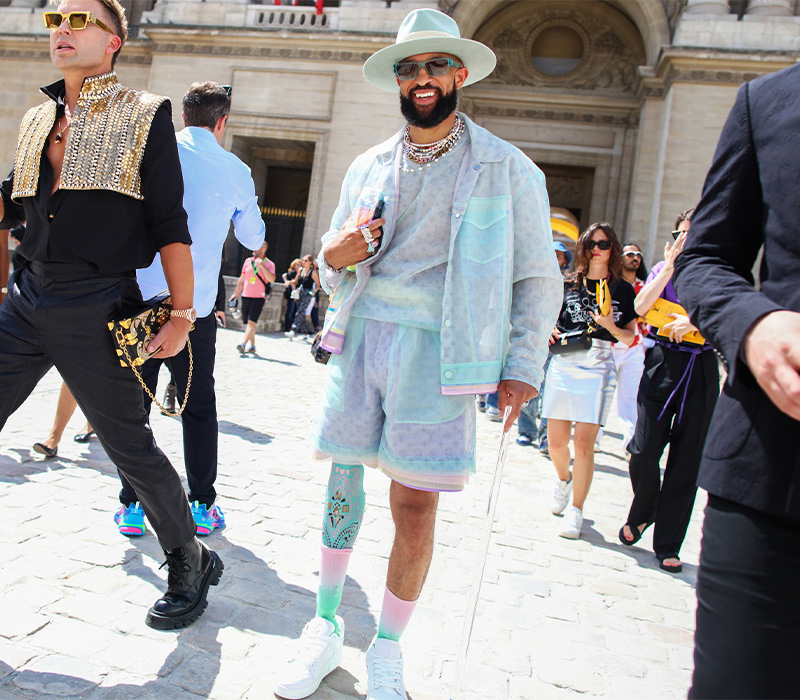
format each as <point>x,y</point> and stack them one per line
<point>580,385</point>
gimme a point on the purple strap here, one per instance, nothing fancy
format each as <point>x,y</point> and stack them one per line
<point>687,375</point>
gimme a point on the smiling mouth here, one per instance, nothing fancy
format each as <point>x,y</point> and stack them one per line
<point>424,96</point>
<point>64,46</point>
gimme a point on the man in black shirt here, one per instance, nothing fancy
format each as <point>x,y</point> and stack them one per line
<point>97,178</point>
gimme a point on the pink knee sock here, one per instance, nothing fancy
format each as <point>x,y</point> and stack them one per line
<point>395,615</point>
<point>332,573</point>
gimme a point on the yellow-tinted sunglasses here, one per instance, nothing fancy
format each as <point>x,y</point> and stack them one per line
<point>76,20</point>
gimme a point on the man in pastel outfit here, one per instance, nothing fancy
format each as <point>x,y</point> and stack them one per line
<point>454,293</point>
<point>218,190</point>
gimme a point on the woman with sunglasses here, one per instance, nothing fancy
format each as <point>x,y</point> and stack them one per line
<point>308,284</point>
<point>676,399</point>
<point>580,384</point>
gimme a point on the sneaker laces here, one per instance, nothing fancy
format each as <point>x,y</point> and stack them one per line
<point>177,569</point>
<point>388,673</point>
<point>310,648</point>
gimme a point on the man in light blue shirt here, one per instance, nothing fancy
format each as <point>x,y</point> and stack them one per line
<point>218,189</point>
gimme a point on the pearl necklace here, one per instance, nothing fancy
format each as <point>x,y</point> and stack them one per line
<point>428,153</point>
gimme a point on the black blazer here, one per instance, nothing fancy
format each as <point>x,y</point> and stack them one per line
<point>751,197</point>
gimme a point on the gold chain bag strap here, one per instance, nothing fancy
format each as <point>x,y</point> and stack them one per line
<point>132,335</point>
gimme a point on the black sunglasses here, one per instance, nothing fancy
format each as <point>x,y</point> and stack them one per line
<point>228,89</point>
<point>603,245</point>
<point>675,234</point>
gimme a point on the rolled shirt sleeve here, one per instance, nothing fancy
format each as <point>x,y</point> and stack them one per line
<point>162,184</point>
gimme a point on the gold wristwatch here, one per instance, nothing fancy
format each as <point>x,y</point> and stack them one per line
<point>186,314</point>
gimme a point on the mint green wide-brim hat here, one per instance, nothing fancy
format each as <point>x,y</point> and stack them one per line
<point>428,31</point>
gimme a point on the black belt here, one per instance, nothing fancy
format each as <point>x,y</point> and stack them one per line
<point>72,271</point>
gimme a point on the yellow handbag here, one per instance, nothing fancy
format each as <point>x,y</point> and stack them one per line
<point>659,316</point>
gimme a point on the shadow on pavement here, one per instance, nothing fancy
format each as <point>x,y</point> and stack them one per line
<point>645,558</point>
<point>244,432</point>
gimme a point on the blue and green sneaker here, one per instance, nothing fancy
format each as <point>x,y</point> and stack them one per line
<point>207,520</point>
<point>130,520</point>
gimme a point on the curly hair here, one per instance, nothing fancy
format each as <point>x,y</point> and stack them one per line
<point>582,257</point>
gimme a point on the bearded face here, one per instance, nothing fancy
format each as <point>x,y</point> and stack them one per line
<point>427,106</point>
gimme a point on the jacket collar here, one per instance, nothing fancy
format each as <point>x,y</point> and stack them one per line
<point>482,142</point>
<point>94,87</point>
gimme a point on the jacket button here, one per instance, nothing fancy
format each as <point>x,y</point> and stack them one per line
<point>448,374</point>
<point>51,216</point>
<point>476,167</point>
<point>458,215</point>
<point>447,323</point>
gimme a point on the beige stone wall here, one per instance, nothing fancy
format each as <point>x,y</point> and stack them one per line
<point>693,116</point>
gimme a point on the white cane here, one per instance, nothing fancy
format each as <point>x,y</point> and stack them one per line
<point>480,563</point>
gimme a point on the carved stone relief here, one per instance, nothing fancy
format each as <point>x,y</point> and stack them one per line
<point>612,47</point>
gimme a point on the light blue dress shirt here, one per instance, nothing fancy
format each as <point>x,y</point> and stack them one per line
<point>218,189</point>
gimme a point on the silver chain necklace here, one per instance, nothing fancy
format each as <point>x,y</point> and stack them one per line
<point>427,154</point>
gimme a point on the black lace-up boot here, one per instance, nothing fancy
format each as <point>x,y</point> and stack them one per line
<point>192,569</point>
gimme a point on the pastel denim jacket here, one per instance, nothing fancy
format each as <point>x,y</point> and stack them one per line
<point>503,288</point>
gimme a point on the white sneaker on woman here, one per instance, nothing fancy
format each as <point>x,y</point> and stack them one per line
<point>561,496</point>
<point>385,671</point>
<point>573,521</point>
<point>317,653</point>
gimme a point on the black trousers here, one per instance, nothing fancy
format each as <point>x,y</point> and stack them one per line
<point>199,419</point>
<point>669,504</point>
<point>57,315</point>
<point>748,608</point>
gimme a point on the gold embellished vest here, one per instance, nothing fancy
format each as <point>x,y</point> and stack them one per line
<point>105,142</point>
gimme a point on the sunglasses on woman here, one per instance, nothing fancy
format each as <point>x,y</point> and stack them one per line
<point>603,245</point>
<point>435,68</point>
<point>75,20</point>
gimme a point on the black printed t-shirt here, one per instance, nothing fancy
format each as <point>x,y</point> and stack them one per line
<point>579,302</point>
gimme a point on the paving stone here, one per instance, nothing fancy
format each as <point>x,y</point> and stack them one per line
<point>573,676</point>
<point>60,676</point>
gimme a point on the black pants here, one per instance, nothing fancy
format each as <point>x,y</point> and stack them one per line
<point>670,503</point>
<point>200,431</point>
<point>291,305</point>
<point>748,607</point>
<point>58,316</point>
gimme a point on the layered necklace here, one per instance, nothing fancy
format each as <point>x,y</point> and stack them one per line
<point>427,154</point>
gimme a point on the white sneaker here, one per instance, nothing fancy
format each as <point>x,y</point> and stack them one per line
<point>561,496</point>
<point>316,654</point>
<point>573,521</point>
<point>290,334</point>
<point>385,671</point>
<point>493,414</point>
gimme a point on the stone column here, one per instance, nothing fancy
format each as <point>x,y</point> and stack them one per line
<point>707,7</point>
<point>769,7</point>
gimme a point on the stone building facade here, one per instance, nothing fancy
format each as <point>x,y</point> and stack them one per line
<point>620,102</point>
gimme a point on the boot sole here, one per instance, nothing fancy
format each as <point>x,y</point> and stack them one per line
<point>162,622</point>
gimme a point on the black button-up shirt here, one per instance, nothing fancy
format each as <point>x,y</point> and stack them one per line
<point>109,231</point>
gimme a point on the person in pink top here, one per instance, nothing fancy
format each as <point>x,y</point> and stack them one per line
<point>258,271</point>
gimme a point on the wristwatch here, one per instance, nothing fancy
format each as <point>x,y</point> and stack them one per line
<point>187,314</point>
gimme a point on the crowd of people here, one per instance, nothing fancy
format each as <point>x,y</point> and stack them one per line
<point>422,297</point>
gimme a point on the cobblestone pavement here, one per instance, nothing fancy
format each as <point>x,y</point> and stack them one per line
<point>556,618</point>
